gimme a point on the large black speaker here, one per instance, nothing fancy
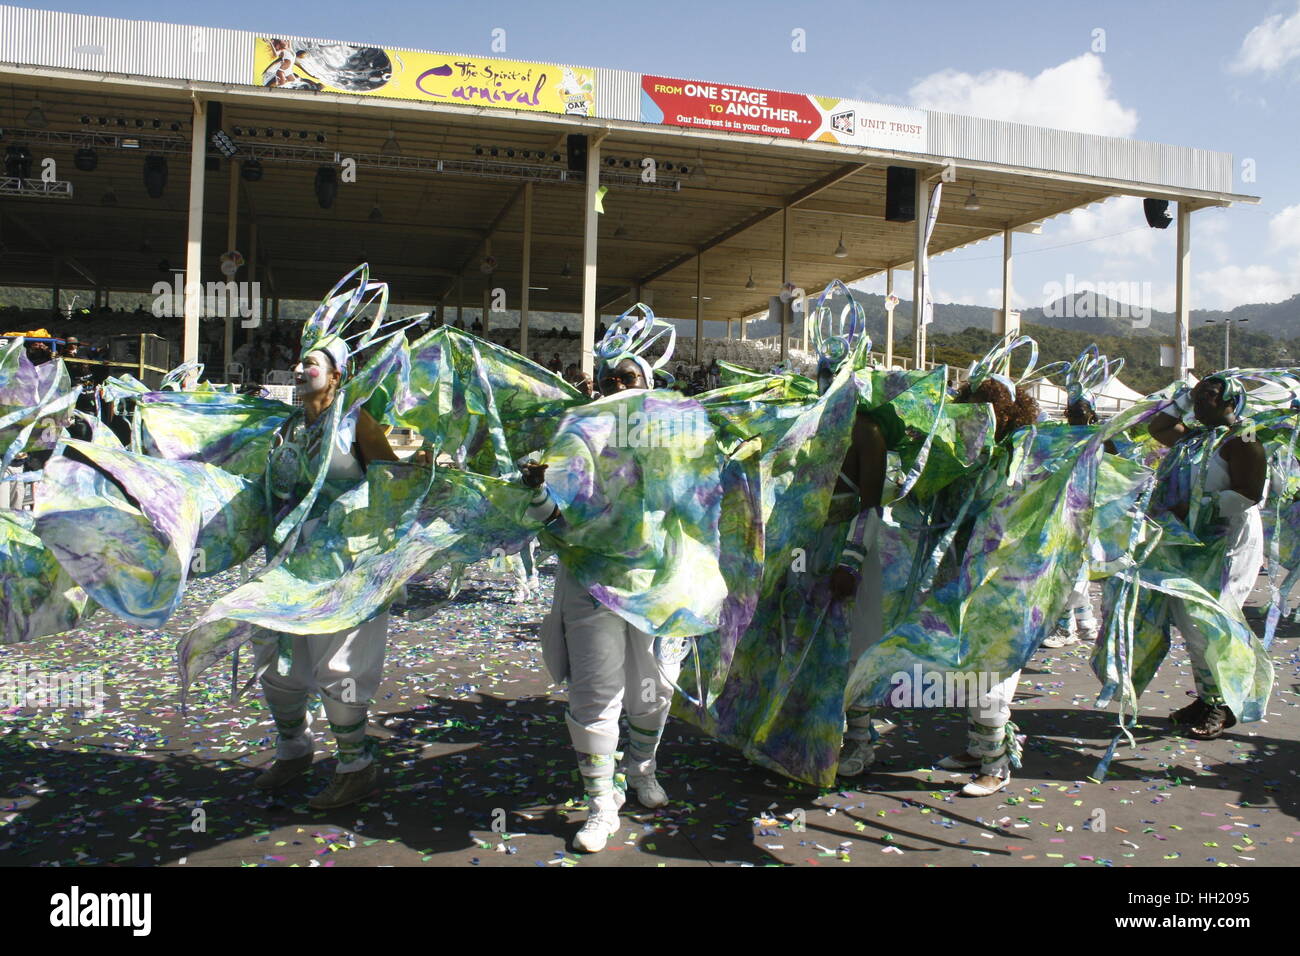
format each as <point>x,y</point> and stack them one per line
<point>155,176</point>
<point>900,194</point>
<point>577,153</point>
<point>327,186</point>
<point>1157,212</point>
<point>214,119</point>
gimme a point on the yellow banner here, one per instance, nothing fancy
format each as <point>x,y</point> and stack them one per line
<point>430,77</point>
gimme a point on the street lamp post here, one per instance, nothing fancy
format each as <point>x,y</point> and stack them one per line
<point>1227,329</point>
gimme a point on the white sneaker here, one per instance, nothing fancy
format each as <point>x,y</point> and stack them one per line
<point>521,595</point>
<point>1060,638</point>
<point>648,791</point>
<point>602,823</point>
<point>856,756</point>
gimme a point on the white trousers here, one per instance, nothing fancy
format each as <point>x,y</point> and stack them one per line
<point>1244,559</point>
<point>611,667</point>
<point>345,668</point>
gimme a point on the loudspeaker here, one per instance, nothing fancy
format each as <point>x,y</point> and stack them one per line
<point>155,176</point>
<point>577,153</point>
<point>86,160</point>
<point>214,119</point>
<point>1157,212</point>
<point>900,194</point>
<point>327,186</point>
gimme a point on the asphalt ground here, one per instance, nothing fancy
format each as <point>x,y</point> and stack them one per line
<point>477,769</point>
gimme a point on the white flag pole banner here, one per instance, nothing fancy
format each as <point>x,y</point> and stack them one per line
<point>927,307</point>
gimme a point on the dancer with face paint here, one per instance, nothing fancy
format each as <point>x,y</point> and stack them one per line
<point>344,668</point>
<point>611,665</point>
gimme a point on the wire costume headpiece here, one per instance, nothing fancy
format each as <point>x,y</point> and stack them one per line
<point>630,338</point>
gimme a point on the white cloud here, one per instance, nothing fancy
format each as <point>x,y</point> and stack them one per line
<point>1115,230</point>
<point>1074,96</point>
<point>1270,45</point>
<point>1284,228</point>
<point>1231,286</point>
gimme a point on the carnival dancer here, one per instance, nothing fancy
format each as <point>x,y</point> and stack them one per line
<point>1235,486</point>
<point>992,741</point>
<point>610,665</point>
<point>1087,376</point>
<point>343,668</point>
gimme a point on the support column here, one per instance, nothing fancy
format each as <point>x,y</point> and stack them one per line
<point>889,319</point>
<point>1183,291</point>
<point>528,269</point>
<point>460,300</point>
<point>254,289</point>
<point>699,306</point>
<point>918,272</point>
<point>55,288</point>
<point>194,234</point>
<point>1008,322</point>
<point>487,291</point>
<point>232,238</point>
<point>787,308</point>
<point>590,226</point>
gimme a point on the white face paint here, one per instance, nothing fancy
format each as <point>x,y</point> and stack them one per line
<point>313,373</point>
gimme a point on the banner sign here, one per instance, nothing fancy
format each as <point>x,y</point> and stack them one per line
<point>743,109</point>
<point>431,77</point>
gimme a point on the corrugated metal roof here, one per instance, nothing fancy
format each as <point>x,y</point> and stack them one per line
<point>143,48</point>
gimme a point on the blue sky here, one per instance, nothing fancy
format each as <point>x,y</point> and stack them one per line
<point>1223,76</point>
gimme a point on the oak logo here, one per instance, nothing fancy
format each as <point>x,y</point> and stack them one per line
<point>75,909</point>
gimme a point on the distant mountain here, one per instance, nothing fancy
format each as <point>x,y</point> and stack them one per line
<point>1084,312</point>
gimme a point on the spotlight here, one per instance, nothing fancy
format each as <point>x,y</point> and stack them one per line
<point>157,124</point>
<point>510,154</point>
<point>627,164</point>
<point>555,157</point>
<point>103,121</point>
<point>611,161</point>
<point>285,133</point>
<point>302,134</point>
<point>668,167</point>
<point>237,130</point>
<point>121,123</point>
<point>139,124</point>
<point>85,120</point>
<point>327,186</point>
<point>109,198</point>
<point>376,214</point>
<point>85,160</point>
<point>478,150</point>
<point>176,127</point>
<point>155,175</point>
<point>224,144</point>
<point>251,170</point>
<point>320,137</point>
<point>164,266</point>
<point>493,151</point>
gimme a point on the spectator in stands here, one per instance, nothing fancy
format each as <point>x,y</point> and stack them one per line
<point>476,327</point>
<point>556,365</point>
<point>715,374</point>
<point>459,324</point>
<point>537,357</point>
<point>38,353</point>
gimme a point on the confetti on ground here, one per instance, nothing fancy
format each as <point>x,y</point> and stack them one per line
<point>478,769</point>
